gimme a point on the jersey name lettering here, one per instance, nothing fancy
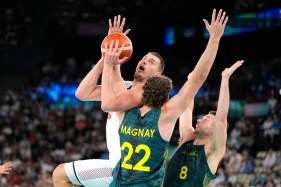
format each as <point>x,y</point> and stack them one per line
<point>137,131</point>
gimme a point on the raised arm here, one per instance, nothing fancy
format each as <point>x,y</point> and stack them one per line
<point>113,100</point>
<point>185,122</point>
<point>182,100</point>
<point>220,121</point>
<point>118,26</point>
<point>88,88</point>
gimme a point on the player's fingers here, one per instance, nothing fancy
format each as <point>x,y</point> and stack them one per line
<point>213,16</point>
<point>127,31</point>
<point>115,21</point>
<point>206,24</point>
<point>122,25</point>
<point>222,17</point>
<point>116,46</point>
<point>118,20</point>
<point>219,16</point>
<point>121,49</point>
<point>110,24</point>
<point>111,45</point>
<point>225,21</point>
<point>121,61</point>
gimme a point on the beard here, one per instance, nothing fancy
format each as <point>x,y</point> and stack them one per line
<point>199,134</point>
<point>138,77</point>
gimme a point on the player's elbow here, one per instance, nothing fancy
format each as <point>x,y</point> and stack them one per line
<point>105,107</point>
<point>79,95</point>
<point>108,106</point>
<point>84,96</point>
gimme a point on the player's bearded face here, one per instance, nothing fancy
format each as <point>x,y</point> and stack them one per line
<point>204,126</point>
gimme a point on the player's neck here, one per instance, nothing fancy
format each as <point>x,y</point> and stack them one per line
<point>144,109</point>
<point>137,83</point>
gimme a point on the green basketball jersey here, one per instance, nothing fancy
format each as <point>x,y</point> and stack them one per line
<point>188,167</point>
<point>143,151</point>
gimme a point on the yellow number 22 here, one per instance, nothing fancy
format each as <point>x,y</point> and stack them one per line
<point>140,165</point>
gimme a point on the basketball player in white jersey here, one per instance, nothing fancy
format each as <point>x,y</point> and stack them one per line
<point>98,172</point>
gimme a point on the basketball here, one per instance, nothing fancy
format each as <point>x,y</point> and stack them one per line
<point>123,39</point>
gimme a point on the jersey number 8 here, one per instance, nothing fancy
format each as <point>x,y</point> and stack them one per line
<point>183,173</point>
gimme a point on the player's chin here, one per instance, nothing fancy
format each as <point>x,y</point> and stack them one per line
<point>138,76</point>
<point>197,132</point>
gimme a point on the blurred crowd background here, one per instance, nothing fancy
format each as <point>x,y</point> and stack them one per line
<point>47,47</point>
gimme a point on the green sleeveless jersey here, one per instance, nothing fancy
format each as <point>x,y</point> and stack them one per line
<point>188,167</point>
<point>143,151</point>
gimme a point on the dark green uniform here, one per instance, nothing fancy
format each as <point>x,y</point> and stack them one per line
<point>143,151</point>
<point>188,167</point>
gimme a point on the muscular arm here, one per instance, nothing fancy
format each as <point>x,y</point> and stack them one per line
<point>124,99</point>
<point>185,124</point>
<point>121,99</point>
<point>220,121</point>
<point>180,102</point>
<point>88,88</point>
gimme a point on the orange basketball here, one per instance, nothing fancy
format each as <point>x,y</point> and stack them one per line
<point>123,39</point>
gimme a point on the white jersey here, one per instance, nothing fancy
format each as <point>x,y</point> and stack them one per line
<point>98,172</point>
<point>112,135</point>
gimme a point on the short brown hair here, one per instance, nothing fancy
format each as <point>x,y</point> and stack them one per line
<point>156,91</point>
<point>162,63</point>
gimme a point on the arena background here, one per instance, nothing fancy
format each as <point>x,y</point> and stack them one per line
<point>47,47</point>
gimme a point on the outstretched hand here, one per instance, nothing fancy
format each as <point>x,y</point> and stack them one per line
<point>216,28</point>
<point>117,26</point>
<point>228,71</point>
<point>113,53</point>
<point>6,168</point>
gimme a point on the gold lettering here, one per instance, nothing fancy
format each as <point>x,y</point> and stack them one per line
<point>193,153</point>
<point>147,133</point>
<point>134,132</point>
<point>128,131</point>
<point>152,132</point>
<point>123,129</point>
<point>141,131</point>
<point>137,131</point>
